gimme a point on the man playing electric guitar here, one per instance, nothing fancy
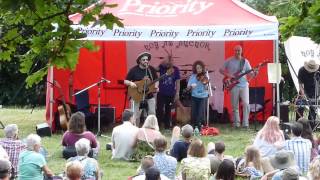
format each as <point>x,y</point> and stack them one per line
<point>234,66</point>
<point>142,71</point>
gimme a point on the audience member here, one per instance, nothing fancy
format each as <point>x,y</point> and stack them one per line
<point>226,170</point>
<point>123,137</point>
<point>307,134</point>
<point>301,147</point>
<point>31,163</point>
<point>166,164</point>
<point>196,165</point>
<point>76,131</point>
<point>153,174</point>
<point>90,165</point>
<point>145,137</point>
<point>253,166</point>
<point>216,155</point>
<point>175,135</point>
<point>3,153</point>
<point>13,145</point>
<point>146,163</point>
<point>180,147</point>
<point>5,169</point>
<point>314,169</point>
<point>74,170</point>
<point>290,174</point>
<point>280,161</point>
<point>270,138</point>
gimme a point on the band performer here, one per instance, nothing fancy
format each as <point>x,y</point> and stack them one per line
<point>145,73</point>
<point>234,66</point>
<point>307,75</point>
<point>169,88</point>
<point>198,83</point>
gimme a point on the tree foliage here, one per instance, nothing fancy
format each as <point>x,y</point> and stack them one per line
<point>37,32</point>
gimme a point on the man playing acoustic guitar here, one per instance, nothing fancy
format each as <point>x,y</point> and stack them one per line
<point>233,67</point>
<point>141,86</point>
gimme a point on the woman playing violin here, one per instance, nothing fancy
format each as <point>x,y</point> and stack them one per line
<point>199,93</point>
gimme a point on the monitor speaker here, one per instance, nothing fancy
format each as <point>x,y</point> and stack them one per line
<point>107,116</point>
<point>43,129</point>
<point>284,113</point>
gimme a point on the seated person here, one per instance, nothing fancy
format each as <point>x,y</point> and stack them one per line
<point>13,145</point>
<point>123,137</point>
<point>3,153</point>
<point>216,155</point>
<point>5,169</point>
<point>76,131</point>
<point>74,170</point>
<point>146,163</point>
<point>145,137</point>
<point>314,169</point>
<point>31,163</point>
<point>180,147</point>
<point>90,165</point>
<point>226,170</point>
<point>196,165</point>
<point>166,164</point>
<point>252,164</point>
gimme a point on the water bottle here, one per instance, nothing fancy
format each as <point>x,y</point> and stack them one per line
<point>196,132</point>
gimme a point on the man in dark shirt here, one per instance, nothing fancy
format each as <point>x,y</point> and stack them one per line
<point>180,148</point>
<point>307,76</point>
<point>169,88</point>
<point>142,71</point>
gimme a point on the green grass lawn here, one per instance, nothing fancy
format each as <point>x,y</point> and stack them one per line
<point>235,141</point>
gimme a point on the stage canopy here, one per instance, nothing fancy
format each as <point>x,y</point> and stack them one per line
<point>189,29</point>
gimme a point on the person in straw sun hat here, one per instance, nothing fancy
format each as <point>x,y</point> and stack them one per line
<point>307,76</point>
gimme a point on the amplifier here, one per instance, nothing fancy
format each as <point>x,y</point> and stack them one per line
<point>107,115</point>
<point>43,129</point>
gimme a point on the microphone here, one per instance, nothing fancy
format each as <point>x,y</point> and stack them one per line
<point>105,80</point>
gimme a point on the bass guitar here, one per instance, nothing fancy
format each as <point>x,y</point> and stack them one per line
<point>229,83</point>
<point>136,93</point>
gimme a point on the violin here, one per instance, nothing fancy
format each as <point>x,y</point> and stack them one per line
<point>202,78</point>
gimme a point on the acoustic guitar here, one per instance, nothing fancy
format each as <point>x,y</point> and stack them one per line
<point>64,109</point>
<point>136,93</point>
<point>229,83</point>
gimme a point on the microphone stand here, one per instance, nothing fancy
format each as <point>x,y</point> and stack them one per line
<point>316,97</point>
<point>96,84</point>
<point>210,95</point>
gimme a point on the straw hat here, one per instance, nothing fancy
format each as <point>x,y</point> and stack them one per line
<point>143,54</point>
<point>311,66</point>
<point>282,159</point>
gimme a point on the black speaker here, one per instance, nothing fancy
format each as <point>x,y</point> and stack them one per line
<point>43,129</point>
<point>107,115</point>
<point>284,113</point>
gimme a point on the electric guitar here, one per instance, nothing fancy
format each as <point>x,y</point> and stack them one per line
<point>229,83</point>
<point>136,93</point>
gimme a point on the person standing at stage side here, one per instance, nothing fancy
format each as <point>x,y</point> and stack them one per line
<point>169,88</point>
<point>199,93</point>
<point>235,65</point>
<point>139,72</point>
<point>306,78</point>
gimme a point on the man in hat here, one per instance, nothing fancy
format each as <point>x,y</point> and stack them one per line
<point>142,71</point>
<point>307,76</point>
<point>231,68</point>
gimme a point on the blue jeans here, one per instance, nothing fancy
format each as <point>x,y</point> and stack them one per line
<point>198,106</point>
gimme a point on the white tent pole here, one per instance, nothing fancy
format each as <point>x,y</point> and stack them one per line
<point>276,48</point>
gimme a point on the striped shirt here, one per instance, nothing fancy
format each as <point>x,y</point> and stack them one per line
<point>302,152</point>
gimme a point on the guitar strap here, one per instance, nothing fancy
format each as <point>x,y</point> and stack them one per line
<point>151,76</point>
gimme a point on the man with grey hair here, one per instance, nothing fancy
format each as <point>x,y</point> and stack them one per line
<point>13,145</point>
<point>5,169</point>
<point>123,137</point>
<point>31,162</point>
<point>180,148</point>
<point>90,165</point>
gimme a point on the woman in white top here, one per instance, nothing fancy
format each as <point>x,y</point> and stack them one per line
<point>270,138</point>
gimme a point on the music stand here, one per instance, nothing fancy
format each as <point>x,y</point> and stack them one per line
<point>86,88</point>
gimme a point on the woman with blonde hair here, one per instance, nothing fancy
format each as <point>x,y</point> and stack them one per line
<point>314,169</point>
<point>196,165</point>
<point>145,137</point>
<point>270,138</point>
<point>252,165</point>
